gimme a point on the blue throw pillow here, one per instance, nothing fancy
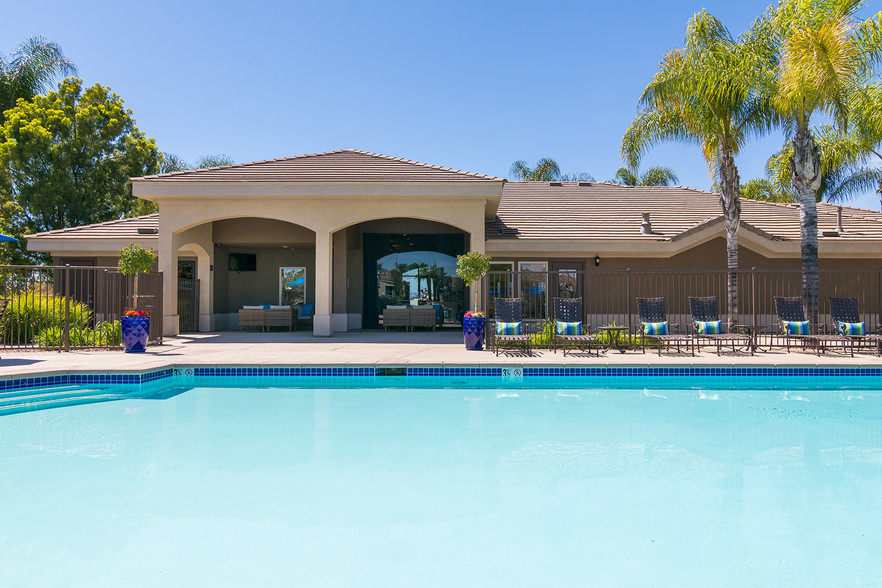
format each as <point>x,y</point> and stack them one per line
<point>508,328</point>
<point>709,327</point>
<point>796,327</point>
<point>655,328</point>
<point>569,328</point>
<point>856,329</point>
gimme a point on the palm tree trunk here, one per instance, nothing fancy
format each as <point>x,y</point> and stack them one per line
<point>805,169</point>
<point>731,189</point>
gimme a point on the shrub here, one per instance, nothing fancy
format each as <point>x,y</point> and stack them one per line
<point>28,315</point>
<point>105,334</point>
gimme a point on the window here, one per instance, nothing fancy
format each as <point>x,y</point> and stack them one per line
<point>292,285</point>
<point>533,287</point>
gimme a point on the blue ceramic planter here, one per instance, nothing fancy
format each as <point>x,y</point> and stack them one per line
<point>473,332</point>
<point>135,330</point>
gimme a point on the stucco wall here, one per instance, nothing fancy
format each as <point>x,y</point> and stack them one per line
<point>233,290</point>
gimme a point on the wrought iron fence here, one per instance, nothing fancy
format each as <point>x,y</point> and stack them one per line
<point>70,307</point>
<point>609,296</point>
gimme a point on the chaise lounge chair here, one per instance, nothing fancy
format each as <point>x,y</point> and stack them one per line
<point>509,329</point>
<point>707,325</point>
<point>847,320</point>
<point>569,328</point>
<point>795,328</point>
<point>654,326</point>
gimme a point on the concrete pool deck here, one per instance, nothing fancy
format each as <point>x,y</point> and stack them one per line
<point>364,348</point>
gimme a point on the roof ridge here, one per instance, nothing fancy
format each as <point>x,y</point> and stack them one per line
<point>319,154</point>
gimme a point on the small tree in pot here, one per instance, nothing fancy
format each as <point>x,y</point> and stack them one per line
<point>471,267</point>
<point>135,259</point>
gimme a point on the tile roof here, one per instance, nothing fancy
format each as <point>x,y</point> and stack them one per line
<point>599,210</point>
<point>344,165</point>
<point>139,227</point>
<point>573,210</point>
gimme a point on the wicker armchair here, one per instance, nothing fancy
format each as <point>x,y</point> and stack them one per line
<point>845,310</point>
<point>569,310</point>
<point>704,309</point>
<point>789,309</point>
<point>652,311</point>
<point>509,311</point>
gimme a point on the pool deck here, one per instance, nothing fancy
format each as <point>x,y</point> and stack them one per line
<point>367,348</point>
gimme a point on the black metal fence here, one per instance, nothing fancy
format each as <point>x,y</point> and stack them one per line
<point>71,307</point>
<point>609,297</point>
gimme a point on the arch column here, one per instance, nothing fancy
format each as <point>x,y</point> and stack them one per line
<point>168,265</point>
<point>324,277</point>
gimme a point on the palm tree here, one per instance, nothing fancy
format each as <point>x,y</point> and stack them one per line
<point>30,70</point>
<point>546,170</point>
<point>825,54</point>
<point>705,94</point>
<point>655,176</point>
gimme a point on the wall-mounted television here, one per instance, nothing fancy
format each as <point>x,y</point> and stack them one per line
<point>243,262</point>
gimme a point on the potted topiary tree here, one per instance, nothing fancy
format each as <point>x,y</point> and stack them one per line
<point>135,323</point>
<point>471,267</point>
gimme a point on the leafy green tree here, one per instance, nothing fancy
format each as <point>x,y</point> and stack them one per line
<point>546,170</point>
<point>654,176</point>
<point>172,163</point>
<point>29,71</point>
<point>218,160</point>
<point>825,55</point>
<point>70,154</point>
<point>706,94</point>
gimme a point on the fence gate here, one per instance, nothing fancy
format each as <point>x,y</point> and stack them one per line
<point>188,305</point>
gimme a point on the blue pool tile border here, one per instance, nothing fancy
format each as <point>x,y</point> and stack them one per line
<point>189,374</point>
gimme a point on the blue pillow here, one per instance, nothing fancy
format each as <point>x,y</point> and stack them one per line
<point>306,311</point>
<point>709,327</point>
<point>569,328</point>
<point>856,329</point>
<point>508,328</point>
<point>796,327</point>
<point>655,328</point>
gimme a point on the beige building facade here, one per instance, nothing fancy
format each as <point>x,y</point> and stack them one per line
<point>341,230</point>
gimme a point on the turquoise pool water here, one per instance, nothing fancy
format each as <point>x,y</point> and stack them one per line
<point>676,482</point>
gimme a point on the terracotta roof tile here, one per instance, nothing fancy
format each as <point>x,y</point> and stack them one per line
<point>126,228</point>
<point>599,210</point>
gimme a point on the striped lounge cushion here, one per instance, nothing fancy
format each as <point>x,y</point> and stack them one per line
<point>569,328</point>
<point>852,329</point>
<point>709,327</point>
<point>508,328</point>
<point>655,328</point>
<point>796,327</point>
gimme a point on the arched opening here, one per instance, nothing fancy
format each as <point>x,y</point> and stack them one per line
<point>410,262</point>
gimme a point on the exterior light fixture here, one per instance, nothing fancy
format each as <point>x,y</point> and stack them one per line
<point>596,261</point>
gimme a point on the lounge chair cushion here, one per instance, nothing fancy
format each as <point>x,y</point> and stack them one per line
<point>796,327</point>
<point>709,327</point>
<point>569,328</point>
<point>258,307</point>
<point>655,328</point>
<point>856,329</point>
<point>508,328</point>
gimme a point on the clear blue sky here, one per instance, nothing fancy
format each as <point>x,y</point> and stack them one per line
<point>468,85</point>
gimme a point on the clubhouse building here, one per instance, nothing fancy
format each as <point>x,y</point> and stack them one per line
<point>351,232</point>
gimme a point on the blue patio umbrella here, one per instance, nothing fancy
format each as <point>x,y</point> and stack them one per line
<point>297,282</point>
<point>5,238</point>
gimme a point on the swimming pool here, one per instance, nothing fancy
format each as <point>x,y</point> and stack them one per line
<point>466,480</point>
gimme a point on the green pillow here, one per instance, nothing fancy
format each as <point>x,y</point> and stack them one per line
<point>508,328</point>
<point>569,328</point>
<point>655,328</point>
<point>796,327</point>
